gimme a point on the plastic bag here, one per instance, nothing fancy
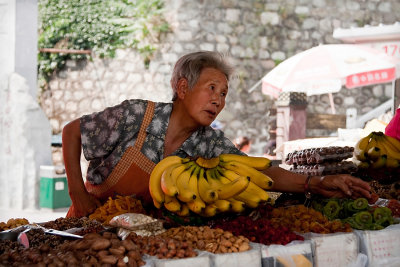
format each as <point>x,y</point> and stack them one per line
<point>380,245</point>
<point>338,249</point>
<point>294,254</point>
<point>139,223</point>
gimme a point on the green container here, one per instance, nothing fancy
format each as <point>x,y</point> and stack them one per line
<point>53,188</point>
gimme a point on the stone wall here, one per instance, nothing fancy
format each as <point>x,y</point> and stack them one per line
<point>255,34</point>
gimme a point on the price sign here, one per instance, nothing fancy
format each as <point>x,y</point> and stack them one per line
<point>335,250</point>
<point>383,244</point>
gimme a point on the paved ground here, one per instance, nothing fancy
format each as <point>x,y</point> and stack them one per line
<point>37,216</point>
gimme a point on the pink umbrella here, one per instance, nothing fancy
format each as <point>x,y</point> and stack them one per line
<point>326,68</point>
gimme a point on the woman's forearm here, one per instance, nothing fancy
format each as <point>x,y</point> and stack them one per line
<point>71,146</point>
<point>287,181</point>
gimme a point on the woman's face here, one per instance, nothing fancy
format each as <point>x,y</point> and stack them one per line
<point>207,98</point>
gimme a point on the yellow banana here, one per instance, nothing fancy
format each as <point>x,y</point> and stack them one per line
<point>237,205</point>
<point>223,205</point>
<point>382,147</point>
<point>229,174</point>
<point>379,163</point>
<point>197,205</point>
<point>258,163</point>
<point>231,188</point>
<point>392,163</point>
<point>251,201</point>
<point>155,176</point>
<point>251,188</point>
<point>361,145</point>
<point>157,204</point>
<point>250,198</point>
<point>193,181</point>
<point>380,142</point>
<point>372,142</point>
<point>184,210</point>
<point>206,192</point>
<point>207,163</point>
<point>374,153</point>
<point>172,204</point>
<point>210,210</point>
<point>212,179</point>
<point>391,150</point>
<point>182,183</point>
<point>395,142</point>
<point>257,177</point>
<point>258,191</point>
<point>168,182</point>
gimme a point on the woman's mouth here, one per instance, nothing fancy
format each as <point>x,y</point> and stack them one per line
<point>212,113</point>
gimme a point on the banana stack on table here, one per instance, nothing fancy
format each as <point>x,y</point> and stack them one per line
<point>378,150</point>
<point>228,183</point>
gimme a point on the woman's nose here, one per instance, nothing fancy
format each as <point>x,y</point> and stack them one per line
<point>216,99</point>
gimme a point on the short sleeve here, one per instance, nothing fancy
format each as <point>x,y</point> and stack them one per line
<point>111,129</point>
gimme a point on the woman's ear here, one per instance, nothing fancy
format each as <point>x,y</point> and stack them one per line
<point>182,88</point>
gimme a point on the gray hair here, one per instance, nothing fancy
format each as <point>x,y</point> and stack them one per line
<point>190,66</point>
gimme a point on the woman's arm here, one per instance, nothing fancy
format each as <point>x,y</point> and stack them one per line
<point>341,185</point>
<point>83,202</point>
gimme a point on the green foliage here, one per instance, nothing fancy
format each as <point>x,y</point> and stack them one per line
<point>101,26</point>
<point>277,62</point>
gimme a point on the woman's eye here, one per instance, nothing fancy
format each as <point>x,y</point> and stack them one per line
<point>212,87</point>
<point>223,94</point>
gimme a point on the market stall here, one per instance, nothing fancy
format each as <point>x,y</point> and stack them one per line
<point>234,222</point>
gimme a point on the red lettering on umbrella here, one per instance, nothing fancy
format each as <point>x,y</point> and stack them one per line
<point>371,77</point>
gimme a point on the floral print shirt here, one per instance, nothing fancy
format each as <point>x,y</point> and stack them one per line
<point>107,134</point>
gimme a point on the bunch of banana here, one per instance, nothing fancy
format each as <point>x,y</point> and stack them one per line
<point>228,183</point>
<point>378,150</point>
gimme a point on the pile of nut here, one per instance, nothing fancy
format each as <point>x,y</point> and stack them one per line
<point>84,225</point>
<point>211,240</point>
<point>13,223</point>
<point>93,250</point>
<point>107,249</point>
<point>386,191</point>
<point>162,247</point>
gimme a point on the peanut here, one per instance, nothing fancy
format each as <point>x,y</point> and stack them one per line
<point>244,247</point>
<point>100,244</point>
<point>223,249</point>
<point>121,263</point>
<point>109,259</point>
<point>226,243</point>
<point>117,251</point>
<point>128,244</point>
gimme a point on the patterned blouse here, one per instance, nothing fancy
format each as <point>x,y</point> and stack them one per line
<point>107,134</point>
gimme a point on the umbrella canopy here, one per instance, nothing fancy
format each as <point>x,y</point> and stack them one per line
<point>326,68</point>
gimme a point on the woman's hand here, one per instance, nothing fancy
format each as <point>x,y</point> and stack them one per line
<point>341,185</point>
<point>84,203</point>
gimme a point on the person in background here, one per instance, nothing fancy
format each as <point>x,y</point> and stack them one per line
<point>123,143</point>
<point>243,144</point>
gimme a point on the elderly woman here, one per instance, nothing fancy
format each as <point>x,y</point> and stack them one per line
<point>123,143</point>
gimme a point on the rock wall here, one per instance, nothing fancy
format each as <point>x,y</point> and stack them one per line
<point>255,34</point>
